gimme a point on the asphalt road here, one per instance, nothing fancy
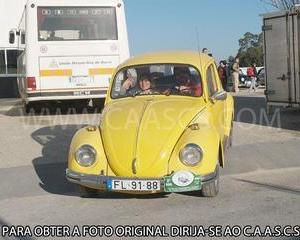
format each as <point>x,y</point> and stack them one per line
<point>260,184</point>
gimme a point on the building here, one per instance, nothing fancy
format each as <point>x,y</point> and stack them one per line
<point>10,14</point>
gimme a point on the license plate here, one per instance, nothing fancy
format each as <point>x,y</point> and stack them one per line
<point>81,93</point>
<point>133,185</point>
<point>79,80</point>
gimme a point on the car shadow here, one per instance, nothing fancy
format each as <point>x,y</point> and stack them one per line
<point>51,166</point>
<point>271,186</point>
<point>120,196</point>
<point>253,110</point>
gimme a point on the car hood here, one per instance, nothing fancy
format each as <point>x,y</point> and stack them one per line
<point>139,134</point>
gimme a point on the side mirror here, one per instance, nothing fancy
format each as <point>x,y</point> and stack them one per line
<point>12,37</point>
<point>219,96</point>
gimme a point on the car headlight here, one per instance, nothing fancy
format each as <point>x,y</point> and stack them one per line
<point>191,155</point>
<point>86,156</point>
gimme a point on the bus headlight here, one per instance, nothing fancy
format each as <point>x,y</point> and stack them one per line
<point>191,155</point>
<point>86,156</point>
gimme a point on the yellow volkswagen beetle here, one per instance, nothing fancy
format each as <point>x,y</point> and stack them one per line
<point>165,127</point>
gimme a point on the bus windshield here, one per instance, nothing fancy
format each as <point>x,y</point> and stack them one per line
<point>76,23</point>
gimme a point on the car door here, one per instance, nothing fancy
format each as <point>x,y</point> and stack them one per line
<point>277,59</point>
<point>217,107</point>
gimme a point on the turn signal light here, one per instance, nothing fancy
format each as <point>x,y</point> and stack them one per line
<point>31,83</point>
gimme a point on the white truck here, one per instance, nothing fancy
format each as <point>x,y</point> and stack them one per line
<point>71,48</point>
<point>282,57</point>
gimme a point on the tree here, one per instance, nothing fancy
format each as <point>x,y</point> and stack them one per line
<point>249,40</point>
<point>252,55</point>
<point>251,49</point>
<point>282,4</point>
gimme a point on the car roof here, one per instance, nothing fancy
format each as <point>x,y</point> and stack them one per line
<point>173,57</point>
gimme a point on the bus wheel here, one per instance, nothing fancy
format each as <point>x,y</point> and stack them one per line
<point>98,104</point>
<point>27,108</point>
<point>30,108</point>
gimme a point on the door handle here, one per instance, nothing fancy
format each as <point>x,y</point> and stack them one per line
<point>282,78</point>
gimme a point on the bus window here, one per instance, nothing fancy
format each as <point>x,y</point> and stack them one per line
<point>2,62</point>
<point>12,56</point>
<point>23,38</point>
<point>76,23</point>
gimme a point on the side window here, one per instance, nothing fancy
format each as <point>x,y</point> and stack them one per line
<point>211,81</point>
<point>217,77</point>
<point>12,56</point>
<point>23,38</point>
<point>2,62</point>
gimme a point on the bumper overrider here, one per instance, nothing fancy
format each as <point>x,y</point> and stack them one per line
<point>182,181</point>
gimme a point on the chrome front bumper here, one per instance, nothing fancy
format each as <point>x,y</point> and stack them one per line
<point>100,182</point>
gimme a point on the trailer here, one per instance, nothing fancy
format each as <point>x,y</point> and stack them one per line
<point>282,57</point>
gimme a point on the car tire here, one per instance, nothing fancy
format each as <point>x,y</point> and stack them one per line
<point>211,189</point>
<point>86,192</point>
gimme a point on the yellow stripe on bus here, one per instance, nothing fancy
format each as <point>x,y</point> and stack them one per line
<point>56,73</point>
<point>101,71</point>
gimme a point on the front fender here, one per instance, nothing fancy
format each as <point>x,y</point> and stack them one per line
<point>90,136</point>
<point>208,139</point>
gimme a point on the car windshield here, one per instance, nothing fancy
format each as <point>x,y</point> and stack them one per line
<point>261,71</point>
<point>163,79</point>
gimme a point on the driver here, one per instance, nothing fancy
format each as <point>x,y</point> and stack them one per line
<point>185,84</point>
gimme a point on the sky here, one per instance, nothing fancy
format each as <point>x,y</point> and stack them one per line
<point>173,24</point>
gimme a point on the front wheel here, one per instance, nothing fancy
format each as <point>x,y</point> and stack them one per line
<point>86,192</point>
<point>211,189</point>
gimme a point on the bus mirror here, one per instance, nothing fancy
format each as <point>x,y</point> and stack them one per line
<point>12,37</point>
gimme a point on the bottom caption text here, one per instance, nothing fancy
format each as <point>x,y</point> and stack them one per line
<point>149,231</point>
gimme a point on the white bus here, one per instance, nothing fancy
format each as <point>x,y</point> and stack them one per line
<point>71,48</point>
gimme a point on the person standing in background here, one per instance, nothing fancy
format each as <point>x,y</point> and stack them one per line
<point>235,74</point>
<point>223,74</point>
<point>205,51</point>
<point>252,74</point>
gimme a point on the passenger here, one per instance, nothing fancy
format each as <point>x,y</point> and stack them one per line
<point>205,51</point>
<point>146,85</point>
<point>130,83</point>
